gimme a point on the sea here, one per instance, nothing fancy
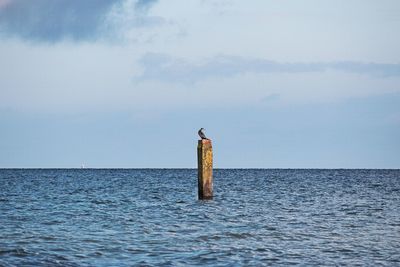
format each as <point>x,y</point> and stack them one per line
<point>152,217</point>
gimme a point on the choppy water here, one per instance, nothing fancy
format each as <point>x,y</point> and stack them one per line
<point>152,217</point>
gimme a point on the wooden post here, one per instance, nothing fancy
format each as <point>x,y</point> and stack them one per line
<point>205,172</point>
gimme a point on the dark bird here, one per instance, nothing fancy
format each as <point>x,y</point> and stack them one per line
<point>201,134</point>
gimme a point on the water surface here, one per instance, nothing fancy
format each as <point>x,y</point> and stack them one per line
<point>125,217</point>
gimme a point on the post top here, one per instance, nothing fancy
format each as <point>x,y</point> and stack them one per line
<point>204,141</point>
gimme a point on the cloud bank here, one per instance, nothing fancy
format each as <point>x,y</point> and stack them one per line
<point>52,21</point>
<point>164,68</point>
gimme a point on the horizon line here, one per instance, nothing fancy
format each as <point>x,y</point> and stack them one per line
<point>187,168</point>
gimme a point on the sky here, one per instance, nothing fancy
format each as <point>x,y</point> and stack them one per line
<point>127,83</point>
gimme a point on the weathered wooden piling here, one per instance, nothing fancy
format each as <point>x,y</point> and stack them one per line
<point>205,166</point>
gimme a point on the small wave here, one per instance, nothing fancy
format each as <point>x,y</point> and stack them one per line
<point>48,238</point>
<point>17,252</point>
<point>101,201</point>
<point>52,222</point>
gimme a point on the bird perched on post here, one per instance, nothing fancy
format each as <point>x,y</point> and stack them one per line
<point>202,135</point>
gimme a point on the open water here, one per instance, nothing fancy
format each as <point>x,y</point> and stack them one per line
<point>151,217</point>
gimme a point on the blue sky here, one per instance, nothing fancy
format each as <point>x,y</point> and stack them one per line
<point>127,83</point>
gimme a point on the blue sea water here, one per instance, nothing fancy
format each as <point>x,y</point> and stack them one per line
<point>152,217</point>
